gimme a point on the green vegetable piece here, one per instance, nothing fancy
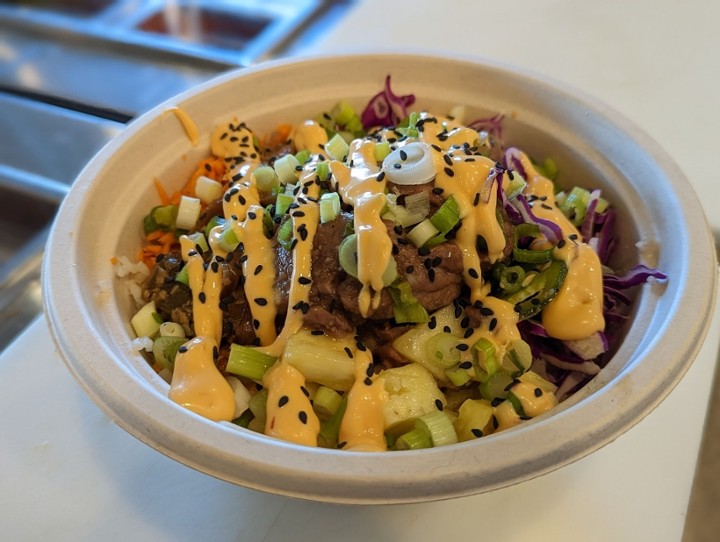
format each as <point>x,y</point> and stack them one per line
<point>485,360</point>
<point>330,429</point>
<point>326,402</point>
<point>165,349</point>
<point>447,216</point>
<point>248,362</point>
<point>540,291</point>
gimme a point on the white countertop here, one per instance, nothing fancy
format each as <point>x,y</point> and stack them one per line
<point>68,473</point>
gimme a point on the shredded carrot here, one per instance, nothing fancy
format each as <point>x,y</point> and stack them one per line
<point>164,199</point>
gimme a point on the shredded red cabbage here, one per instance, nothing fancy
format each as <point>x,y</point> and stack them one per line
<point>491,125</point>
<point>386,108</point>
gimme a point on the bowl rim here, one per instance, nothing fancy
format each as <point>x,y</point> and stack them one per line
<point>342,476</point>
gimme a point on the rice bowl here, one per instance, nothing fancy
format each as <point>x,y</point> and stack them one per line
<point>657,210</point>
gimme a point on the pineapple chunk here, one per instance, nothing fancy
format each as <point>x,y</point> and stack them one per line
<point>412,392</point>
<point>322,359</point>
<point>474,419</point>
<point>413,344</point>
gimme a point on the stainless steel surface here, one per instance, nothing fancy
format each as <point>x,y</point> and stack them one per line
<point>73,72</point>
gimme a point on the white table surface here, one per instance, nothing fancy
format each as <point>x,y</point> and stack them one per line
<point>68,473</point>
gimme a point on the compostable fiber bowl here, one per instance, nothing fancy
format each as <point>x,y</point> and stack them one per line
<point>660,224</point>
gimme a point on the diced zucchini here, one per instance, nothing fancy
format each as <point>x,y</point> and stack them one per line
<point>165,349</point>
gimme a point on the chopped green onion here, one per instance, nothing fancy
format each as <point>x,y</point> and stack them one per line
<point>323,171</point>
<point>248,362</point>
<point>418,203</point>
<point>213,222</point>
<point>183,276</point>
<point>526,255</point>
<point>227,240</point>
<point>484,359</point>
<point>207,189</point>
<point>574,204</point>
<point>347,255</point>
<point>416,439</point>
<point>303,156</point>
<point>516,185</point>
<point>510,278</point>
<point>422,233</point>
<point>285,234</point>
<point>258,406</point>
<point>406,307</point>
<point>337,148</point>
<point>518,358</point>
<point>199,240</point>
<point>265,179</point>
<point>355,126</point>
<point>188,213</point>
<point>439,426</point>
<point>244,419</point>
<point>330,429</point>
<point>283,203</point>
<point>458,376</point>
<point>447,216</point>
<point>342,113</point>
<point>172,329</point>
<point>326,402</point>
<point>382,149</point>
<point>329,206</point>
<point>285,168</point>
<point>160,218</point>
<point>165,349</point>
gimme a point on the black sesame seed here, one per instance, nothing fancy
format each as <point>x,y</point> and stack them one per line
<point>561,243</point>
<point>258,269</point>
<point>465,322</point>
<point>476,432</point>
<point>302,415</point>
<point>486,311</point>
<point>468,332</point>
<point>437,260</point>
<point>437,190</point>
<point>283,401</point>
<point>304,281</point>
<point>447,329</point>
<point>538,392</point>
<point>368,381</point>
<point>252,215</point>
<point>493,324</point>
<point>370,370</point>
<point>348,352</point>
<point>432,323</point>
<point>409,269</point>
<point>360,346</point>
<point>293,243</point>
<point>183,349</point>
<point>201,297</point>
<point>462,347</point>
<point>431,275</point>
<point>261,301</point>
<point>447,159</point>
<point>473,273</point>
<point>402,241</point>
<point>297,213</point>
<point>305,307</point>
<point>305,391</point>
<point>397,165</point>
<point>256,323</point>
<point>465,365</point>
<point>449,172</point>
<point>476,201</point>
<point>438,404</point>
<point>381,176</point>
<point>214,266</point>
<point>398,229</point>
<point>243,201</point>
<point>317,332</point>
<point>423,251</point>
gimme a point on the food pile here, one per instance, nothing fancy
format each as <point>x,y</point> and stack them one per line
<point>383,280</point>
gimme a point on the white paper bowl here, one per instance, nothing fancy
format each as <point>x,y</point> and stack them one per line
<point>89,312</point>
